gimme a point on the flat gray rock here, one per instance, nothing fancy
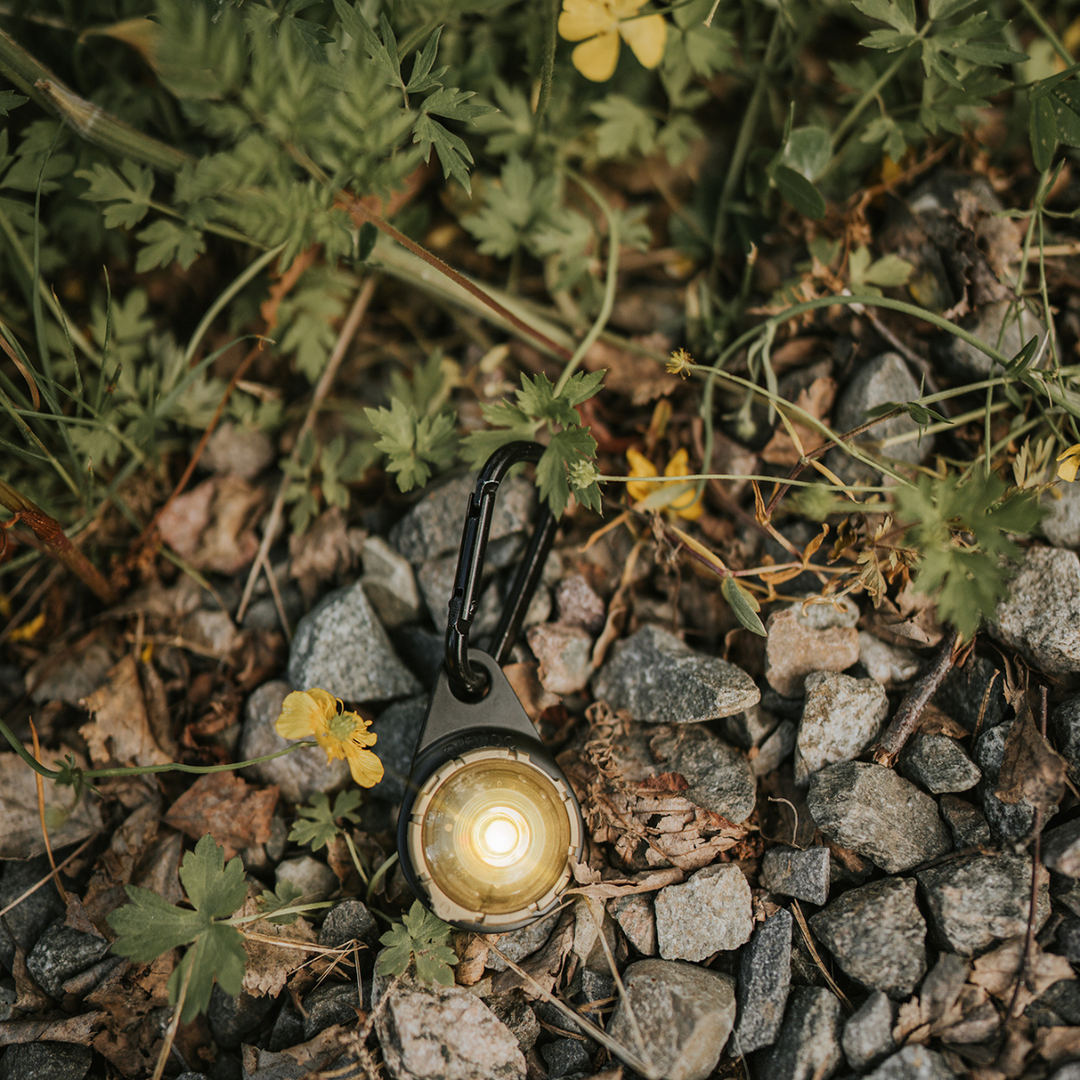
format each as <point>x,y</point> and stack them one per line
<point>802,874</point>
<point>966,822</point>
<point>1061,525</point>
<point>390,583</point>
<point>1065,729</point>
<point>868,1032</point>
<point>661,680</point>
<point>996,325</point>
<point>637,920</point>
<point>888,664</point>
<point>341,646</point>
<point>709,913</point>
<point>794,649</point>
<point>841,717</point>
<point>913,1063</point>
<point>763,984</point>
<point>1061,849</point>
<point>684,1013</point>
<point>877,814</point>
<point>397,728</point>
<point>719,775</point>
<point>938,764</point>
<point>809,1041</point>
<point>877,935</point>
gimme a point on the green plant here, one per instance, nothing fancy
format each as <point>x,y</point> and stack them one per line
<point>419,938</point>
<point>317,823</point>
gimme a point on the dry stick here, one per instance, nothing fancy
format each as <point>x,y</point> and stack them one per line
<point>915,700</point>
<point>348,331</point>
<point>800,918</point>
<point>170,1034</point>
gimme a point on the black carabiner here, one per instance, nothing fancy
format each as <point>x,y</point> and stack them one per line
<point>467,681</point>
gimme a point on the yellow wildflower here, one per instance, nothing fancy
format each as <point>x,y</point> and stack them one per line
<point>342,734</point>
<point>687,505</point>
<point>598,25</point>
<point>680,362</point>
<point>1070,462</point>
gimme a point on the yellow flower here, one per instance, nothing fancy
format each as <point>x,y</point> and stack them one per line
<point>342,734</point>
<point>680,362</point>
<point>1070,463</point>
<point>598,25</point>
<point>687,505</point>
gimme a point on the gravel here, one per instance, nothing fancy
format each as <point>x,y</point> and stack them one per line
<point>707,914</point>
<point>841,717</point>
<point>938,764</point>
<point>802,874</point>
<point>868,1032</point>
<point>809,1041</point>
<point>794,650</point>
<point>1061,849</point>
<point>763,984</point>
<point>966,822</point>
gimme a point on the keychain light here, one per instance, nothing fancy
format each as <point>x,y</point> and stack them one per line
<point>489,824</point>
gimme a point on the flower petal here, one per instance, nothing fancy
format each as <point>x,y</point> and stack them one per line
<point>582,19</point>
<point>646,37</point>
<point>679,464</point>
<point>1068,468</point>
<point>596,59</point>
<point>302,715</point>
<point>640,465</point>
<point>366,768</point>
<point>625,9</point>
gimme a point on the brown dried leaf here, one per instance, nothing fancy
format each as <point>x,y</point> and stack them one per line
<point>998,971</point>
<point>639,377</point>
<point>816,399</point>
<point>544,966</point>
<point>322,553</point>
<point>1058,1043</point>
<point>525,681</point>
<point>120,730</point>
<point>472,951</point>
<point>72,1029</point>
<point>1030,769</point>
<point>649,881</point>
<point>211,525</point>
<point>269,965</point>
<point>235,814</point>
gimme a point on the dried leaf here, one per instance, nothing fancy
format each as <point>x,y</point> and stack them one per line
<point>1058,1043</point>
<point>322,553</point>
<point>998,971</point>
<point>1029,769</point>
<point>816,399</point>
<point>268,965</point>
<point>120,730</point>
<point>211,525</point>
<point>227,808</point>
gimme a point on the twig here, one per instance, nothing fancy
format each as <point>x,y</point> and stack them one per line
<point>48,877</point>
<point>1024,973</point>
<point>800,918</point>
<point>917,698</point>
<point>170,1034</point>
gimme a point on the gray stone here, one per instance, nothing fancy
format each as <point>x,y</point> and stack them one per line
<point>684,1013</point>
<point>518,1016</point>
<point>661,680</point>
<point>995,324</point>
<point>979,899</point>
<point>445,1031</point>
<point>565,1057</point>
<point>347,921</point>
<point>565,655</point>
<point>868,1033</point>
<point>808,1046</point>
<point>749,728</point>
<point>877,814</point>
<point>398,727</point>
<point>719,775</point>
<point>1008,821</point>
<point>1063,997</point>
<point>61,952</point>
<point>877,936</point>
<point>1067,1072</point>
<point>596,986</point>
<point>913,1063</point>
<point>1041,617</point>
<point>763,985</point>
<point>330,1003</point>
<point>298,775</point>
<point>709,913</point>
<point>1065,728</point>
<point>24,923</point>
<point>841,717</point>
<point>816,613</point>
<point>1061,849</point>
<point>422,650</point>
<point>342,647</point>
<point>288,1029</point>
<point>802,874</point>
<point>776,749</point>
<point>517,944</point>
<point>46,1061</point>
<point>888,664</point>
<point>966,822</point>
<point>436,579</point>
<point>315,880</point>
<point>1068,940</point>
<point>578,604</point>
<point>637,920</point>
<point>973,695</point>
<point>389,583</point>
<point>938,764</point>
<point>231,1018</point>
<point>1061,525</point>
<point>68,676</point>
<point>794,650</point>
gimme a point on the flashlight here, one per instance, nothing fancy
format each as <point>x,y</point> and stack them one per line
<point>489,825</point>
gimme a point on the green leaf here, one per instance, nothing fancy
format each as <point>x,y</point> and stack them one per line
<point>807,151</point>
<point>422,77</point>
<point>566,448</point>
<point>130,189</point>
<point>285,895</point>
<point>454,156</point>
<point>215,889</point>
<point>218,953</point>
<point>899,14</point>
<point>581,386</point>
<point>796,190</point>
<point>626,127</point>
<point>10,100</point>
<point>744,605</point>
<point>352,19</point>
<point>889,272</point>
<point>945,9</point>
<point>420,936</point>
<point>1066,103</point>
<point>413,443</point>
<point>168,242</point>
<point>317,824</point>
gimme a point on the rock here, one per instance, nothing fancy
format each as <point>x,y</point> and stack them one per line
<point>69,676</point>
<point>966,823</point>
<point>877,936</point>
<point>996,325</point>
<point>841,717</point>
<point>763,985</point>
<point>868,1033</point>
<point>684,1013</point>
<point>298,775</point>
<point>1065,729</point>
<point>980,899</point>
<point>242,451</point>
<point>1008,821</point>
<point>25,922</point>
<point>1061,849</point>
<point>749,728</point>
<point>887,664</point>
<point>913,1063</point>
<point>1041,617</point>
<point>973,694</point>
<point>793,651</point>
<point>719,775</point>
<point>347,921</point>
<point>708,913</point>
<point>445,1032</point>
<point>661,680</point>
<point>802,874</point>
<point>518,1016</point>
<point>231,1018</point>
<point>398,728</point>
<point>877,814</point>
<point>436,580</point>
<point>938,764</point>
<point>330,1003</point>
<point>212,631</point>
<point>517,944</point>
<point>61,952</point>
<point>808,1045</point>
<point>314,879</point>
<point>422,650</point>
<point>636,919</point>
<point>776,749</point>
<point>815,613</point>
<point>565,1057</point>
<point>46,1061</point>
<point>288,1029</point>
<point>389,583</point>
<point>596,986</point>
<point>578,605</point>
<point>565,655</point>
<point>1061,526</point>
<point>341,646</point>
<point>1068,940</point>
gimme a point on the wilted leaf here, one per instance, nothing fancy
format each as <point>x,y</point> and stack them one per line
<point>1030,769</point>
<point>120,730</point>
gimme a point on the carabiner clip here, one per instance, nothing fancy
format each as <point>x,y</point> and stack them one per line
<point>468,682</point>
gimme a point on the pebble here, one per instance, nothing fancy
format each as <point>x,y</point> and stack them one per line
<point>802,874</point>
<point>288,1029</point>
<point>659,679</point>
<point>578,605</point>
<point>46,1061</point>
<point>878,814</point>
<point>398,729</point>
<point>298,775</point>
<point>422,650</point>
<point>565,655</point>
<point>913,1063</point>
<point>517,944</point>
<point>684,1013</point>
<point>445,1032</point>
<point>518,1016</point>
<point>841,717</point>
<point>389,583</point>
<point>61,952</point>
<point>719,776</point>
<point>347,921</point>
<point>436,578</point>
<point>314,879</point>
<point>877,936</point>
<point>979,899</point>
<point>709,913</point>
<point>342,647</point>
<point>25,922</point>
<point>1065,728</point>
<point>1007,821</point>
<point>973,695</point>
<point>966,822</point>
<point>996,325</point>
<point>69,677</point>
<point>749,728</point>
<point>1041,617</point>
<point>231,1018</point>
<point>793,651</point>
<point>1061,849</point>
<point>637,920</point>
<point>1068,940</point>
<point>330,1003</point>
<point>813,613</point>
<point>868,1032</point>
<point>809,1041</point>
<point>890,665</point>
<point>938,764</point>
<point>564,1057</point>
<point>776,749</point>
<point>763,984</point>
<point>1061,525</point>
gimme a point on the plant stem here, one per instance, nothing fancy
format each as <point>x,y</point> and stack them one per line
<point>1044,26</point>
<point>548,28</point>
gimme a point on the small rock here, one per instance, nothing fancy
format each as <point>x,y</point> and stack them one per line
<point>661,680</point>
<point>565,1057</point>
<point>973,695</point>
<point>809,1041</point>
<point>436,579</point>
<point>389,583</point>
<point>61,952</point>
<point>980,899</point>
<point>1068,940</point>
<point>46,1061</point>
<point>793,651</point>
<point>347,921</point>
<point>708,913</point>
<point>802,874</point>
<point>578,605</point>
<point>1041,617</point>
<point>817,614</point>
<point>69,677</point>
<point>1008,821</point>
<point>1065,728</point>
<point>231,1018</point>
<point>1061,849</point>
<point>684,1013</point>
<point>877,935</point>
<point>938,764</point>
<point>518,1016</point>
<point>288,1029</point>
<point>764,982</point>
<point>719,775</point>
<point>966,823</point>
<point>565,655</point>
<point>749,728</point>
<point>842,715</point>
<point>887,664</point>
<point>25,922</point>
<point>330,1003</point>
<point>315,880</point>
<point>996,325</point>
<point>341,646</point>
<point>517,944</point>
<point>913,1063</point>
<point>298,775</point>
<point>213,631</point>
<point>1062,522</point>
<point>242,451</point>
<point>878,814</point>
<point>397,728</point>
<point>868,1033</point>
<point>636,919</point>
<point>776,749</point>
<point>596,986</point>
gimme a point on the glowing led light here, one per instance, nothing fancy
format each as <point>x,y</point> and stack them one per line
<point>500,836</point>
